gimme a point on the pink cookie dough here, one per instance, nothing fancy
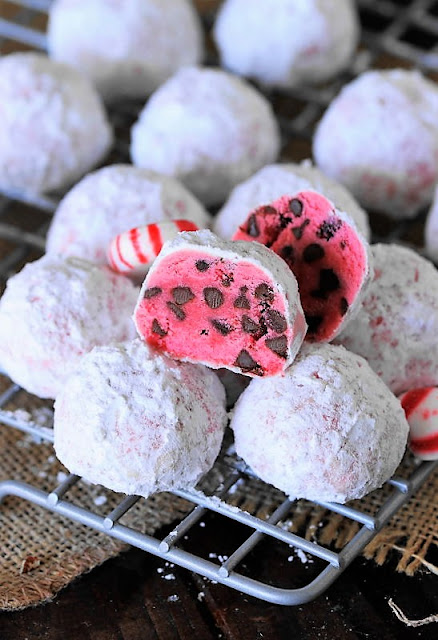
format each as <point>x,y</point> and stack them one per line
<point>276,180</point>
<point>232,305</point>
<point>323,249</point>
<point>144,423</point>
<point>379,137</point>
<point>327,430</point>
<point>285,43</point>
<point>421,409</point>
<point>53,312</point>
<point>112,200</point>
<point>396,327</point>
<point>53,127</point>
<point>126,47</point>
<point>207,128</point>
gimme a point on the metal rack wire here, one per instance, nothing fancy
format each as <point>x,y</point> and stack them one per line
<point>406,30</point>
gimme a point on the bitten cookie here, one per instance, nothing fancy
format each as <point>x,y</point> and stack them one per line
<point>285,43</point>
<point>323,249</point>
<point>397,107</point>
<point>53,127</point>
<point>397,326</point>
<point>112,200</point>
<point>53,312</point>
<point>328,429</point>
<point>207,128</point>
<point>126,47</point>
<point>224,304</point>
<point>275,181</point>
<point>144,423</point>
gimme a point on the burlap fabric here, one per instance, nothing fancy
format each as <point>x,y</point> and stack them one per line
<point>42,552</point>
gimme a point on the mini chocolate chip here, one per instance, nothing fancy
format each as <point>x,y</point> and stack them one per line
<point>276,321</point>
<point>242,302</point>
<point>298,231</point>
<point>252,228</point>
<point>202,265</point>
<point>296,206</point>
<point>264,292</point>
<point>278,346</point>
<point>250,326</point>
<point>245,361</point>
<point>243,290</point>
<point>176,309</point>
<point>288,254</point>
<point>213,297</point>
<point>344,306</point>
<point>222,327</point>
<point>328,228</point>
<point>152,292</point>
<point>342,244</point>
<point>181,295</point>
<point>328,280</point>
<point>158,329</point>
<point>313,323</point>
<point>267,210</point>
<point>313,252</point>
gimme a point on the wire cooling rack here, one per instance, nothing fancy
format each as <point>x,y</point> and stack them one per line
<point>394,32</point>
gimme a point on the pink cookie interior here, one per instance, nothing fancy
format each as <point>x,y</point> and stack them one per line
<point>324,252</point>
<point>221,312</point>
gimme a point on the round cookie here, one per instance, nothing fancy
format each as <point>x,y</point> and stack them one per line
<point>328,429</point>
<point>145,423</point>
<point>53,312</point>
<point>126,47</point>
<point>400,108</point>
<point>323,249</point>
<point>276,180</point>
<point>396,327</point>
<point>53,127</point>
<point>285,43</point>
<point>207,128</point>
<point>113,200</point>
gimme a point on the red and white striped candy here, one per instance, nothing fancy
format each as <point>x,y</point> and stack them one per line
<point>132,252</point>
<point>421,409</point>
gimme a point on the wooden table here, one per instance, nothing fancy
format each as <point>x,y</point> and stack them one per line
<point>138,597</point>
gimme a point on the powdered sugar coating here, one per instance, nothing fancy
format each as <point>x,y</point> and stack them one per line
<point>328,429</point>
<point>397,326</point>
<point>285,43</point>
<point>207,128</point>
<point>53,312</point>
<point>53,127</point>
<point>145,423</point>
<point>113,200</point>
<point>240,300</point>
<point>126,47</point>
<point>431,229</point>
<point>379,137</point>
<point>276,180</point>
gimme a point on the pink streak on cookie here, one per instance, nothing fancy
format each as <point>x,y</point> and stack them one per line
<point>421,409</point>
<point>323,250</point>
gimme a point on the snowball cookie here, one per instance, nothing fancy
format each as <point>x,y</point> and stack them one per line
<point>207,128</point>
<point>284,43</point>
<point>53,127</point>
<point>113,200</point>
<point>397,326</point>
<point>328,429</point>
<point>126,47</point>
<point>144,423</point>
<point>276,180</point>
<point>431,229</point>
<point>53,312</point>
<point>379,137</point>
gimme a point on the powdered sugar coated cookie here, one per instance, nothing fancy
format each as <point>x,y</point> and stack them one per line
<point>53,312</point>
<point>53,127</point>
<point>207,128</point>
<point>145,423</point>
<point>126,47</point>
<point>328,429</point>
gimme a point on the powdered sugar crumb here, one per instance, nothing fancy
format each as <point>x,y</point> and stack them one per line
<point>100,500</point>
